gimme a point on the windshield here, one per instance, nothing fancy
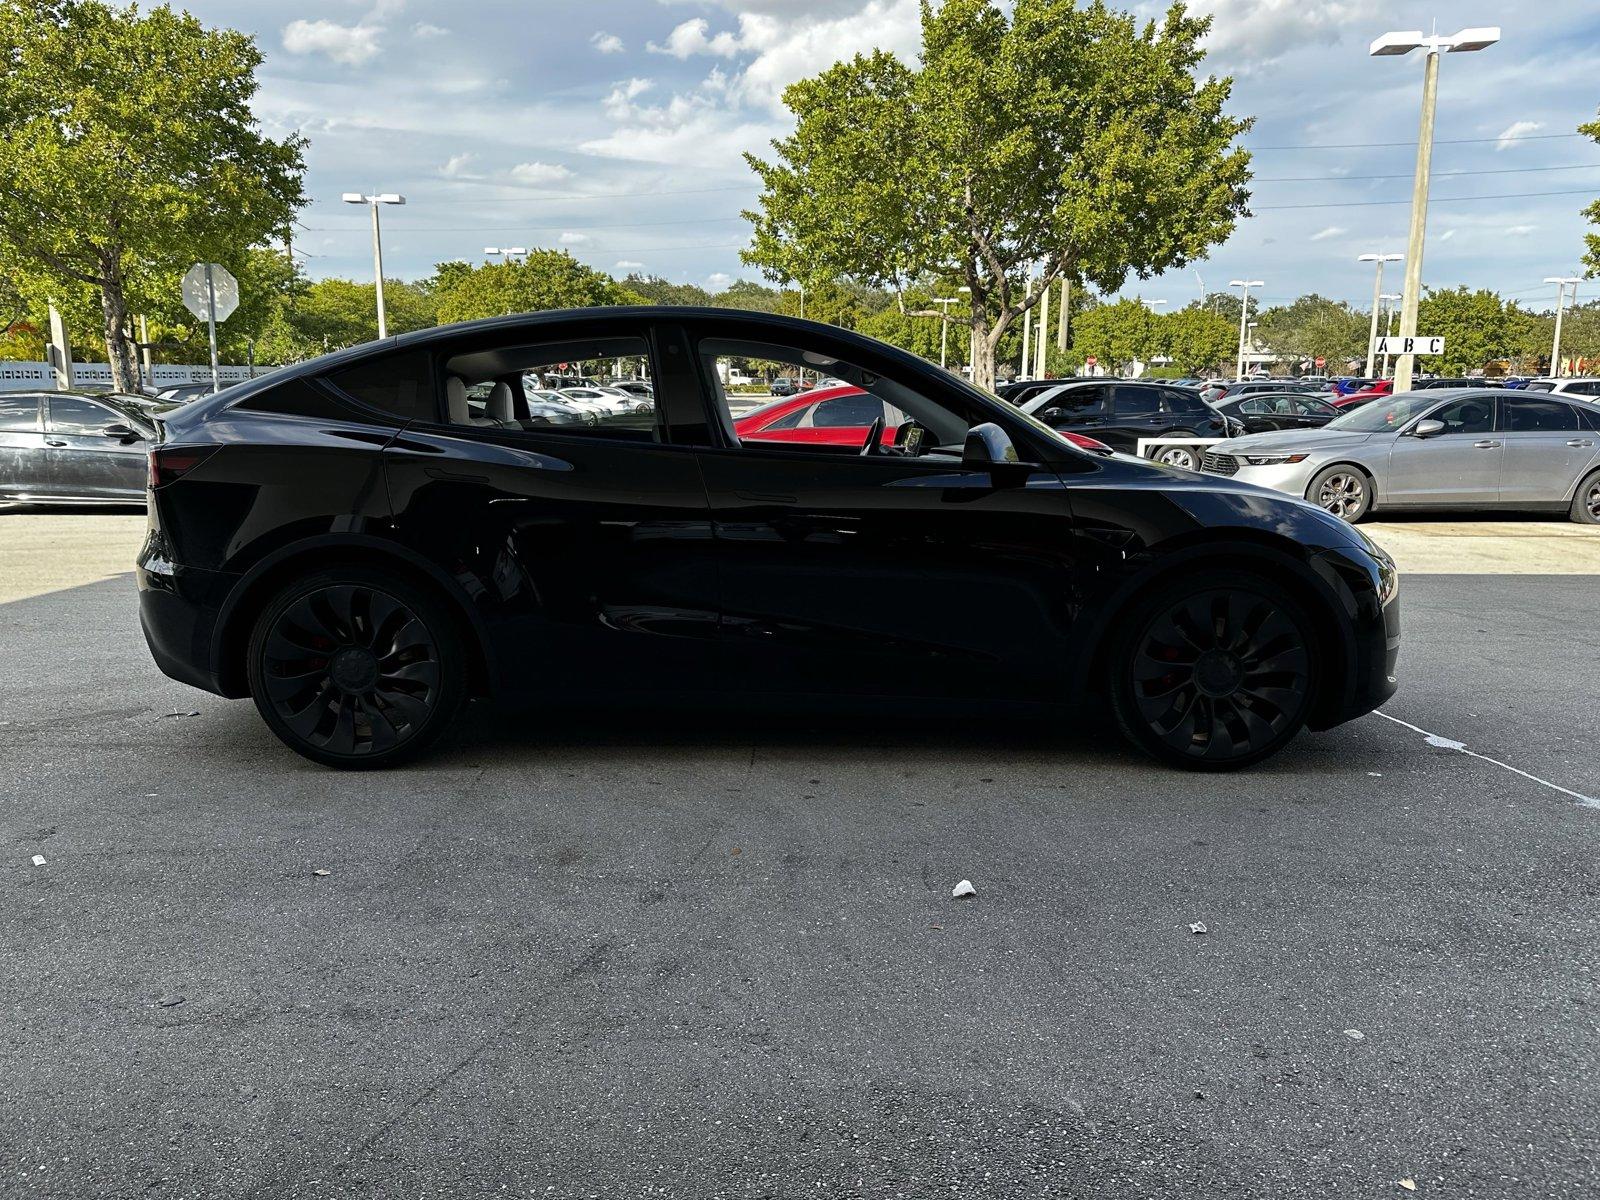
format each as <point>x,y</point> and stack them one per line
<point>1384,413</point>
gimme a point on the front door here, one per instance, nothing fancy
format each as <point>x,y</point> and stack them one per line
<point>1460,466</point>
<point>86,462</point>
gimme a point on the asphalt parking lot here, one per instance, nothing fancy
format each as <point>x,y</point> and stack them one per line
<point>577,954</point>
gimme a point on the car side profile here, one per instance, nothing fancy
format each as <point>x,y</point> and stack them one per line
<point>1264,412</point>
<point>75,448</point>
<point>345,545</point>
<point>1123,413</point>
<point>1461,448</point>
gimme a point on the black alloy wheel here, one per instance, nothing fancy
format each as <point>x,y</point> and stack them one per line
<point>1586,501</point>
<point>356,669</point>
<point>1215,674</point>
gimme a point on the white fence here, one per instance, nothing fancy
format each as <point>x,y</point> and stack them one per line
<point>37,376</point>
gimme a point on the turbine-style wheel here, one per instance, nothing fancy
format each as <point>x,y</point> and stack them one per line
<point>356,669</point>
<point>1343,491</point>
<point>1215,676</point>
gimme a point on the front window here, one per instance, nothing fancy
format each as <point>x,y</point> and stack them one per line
<point>1385,414</point>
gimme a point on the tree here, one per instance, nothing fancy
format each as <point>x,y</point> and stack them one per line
<point>1477,327</point>
<point>1314,327</point>
<point>1058,137</point>
<point>130,151</point>
<point>544,279</point>
<point>1591,258</point>
<point>1119,334</point>
<point>654,290</point>
<point>1198,339</point>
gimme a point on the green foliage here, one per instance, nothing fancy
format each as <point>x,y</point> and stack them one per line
<point>545,279</point>
<point>749,295</point>
<point>1058,134</point>
<point>130,151</point>
<point>1314,327</point>
<point>1118,334</point>
<point>1591,257</point>
<point>1477,327</point>
<point>652,289</point>
<point>1199,340</point>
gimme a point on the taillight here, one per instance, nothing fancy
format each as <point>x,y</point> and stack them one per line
<point>1085,443</point>
<point>172,462</point>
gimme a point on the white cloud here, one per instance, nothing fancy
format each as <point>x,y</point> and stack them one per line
<point>540,172</point>
<point>348,44</point>
<point>573,239</point>
<point>1520,230</point>
<point>607,43</point>
<point>1447,235</point>
<point>718,280</point>
<point>618,104</point>
<point>1249,33</point>
<point>456,167</point>
<point>422,29</point>
<point>1517,129</point>
<point>1332,231</point>
<point>628,264</point>
<point>690,39</point>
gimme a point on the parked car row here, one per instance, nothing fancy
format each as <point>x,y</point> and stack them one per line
<point>75,447</point>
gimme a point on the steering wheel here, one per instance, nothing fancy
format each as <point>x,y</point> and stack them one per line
<point>874,438</point>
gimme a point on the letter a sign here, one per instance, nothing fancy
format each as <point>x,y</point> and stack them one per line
<point>1408,345</point>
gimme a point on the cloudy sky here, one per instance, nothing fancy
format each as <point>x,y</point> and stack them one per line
<point>614,129</point>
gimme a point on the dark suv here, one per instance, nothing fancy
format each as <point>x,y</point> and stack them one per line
<point>351,545</point>
<point>1124,414</point>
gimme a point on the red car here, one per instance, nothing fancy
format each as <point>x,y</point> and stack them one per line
<point>1381,387</point>
<point>839,416</point>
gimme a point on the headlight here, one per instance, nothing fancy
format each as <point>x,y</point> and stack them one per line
<point>1274,460</point>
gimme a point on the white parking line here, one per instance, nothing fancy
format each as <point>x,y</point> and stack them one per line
<point>1435,739</point>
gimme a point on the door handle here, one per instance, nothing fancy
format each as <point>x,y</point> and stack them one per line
<point>454,476</point>
<point>1484,445</point>
<point>1579,442</point>
<point>768,497</point>
<point>54,442</point>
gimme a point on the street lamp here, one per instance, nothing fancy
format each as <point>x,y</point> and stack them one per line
<point>1388,299</point>
<point>377,244</point>
<point>944,324</point>
<point>1561,282</point>
<point>1377,292</point>
<point>1404,43</point>
<point>506,253</point>
<point>972,340</point>
<point>1244,310</point>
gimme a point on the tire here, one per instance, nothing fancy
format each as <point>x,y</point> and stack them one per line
<point>1343,490</point>
<point>1586,501</point>
<point>357,668</point>
<point>1193,698</point>
<point>1178,456</point>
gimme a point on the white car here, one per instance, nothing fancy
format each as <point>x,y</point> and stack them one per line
<point>1582,386</point>
<point>607,401</point>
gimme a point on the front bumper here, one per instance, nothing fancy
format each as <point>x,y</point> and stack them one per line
<point>1368,586</point>
<point>1293,478</point>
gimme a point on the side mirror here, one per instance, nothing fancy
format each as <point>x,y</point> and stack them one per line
<point>123,433</point>
<point>1426,429</point>
<point>987,446</point>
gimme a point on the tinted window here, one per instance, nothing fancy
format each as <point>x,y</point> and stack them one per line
<point>1077,402</point>
<point>789,420</point>
<point>1134,401</point>
<point>68,414</point>
<point>847,411</point>
<point>1585,387</point>
<point>1530,416</point>
<point>1314,408</point>
<point>1470,415</point>
<point>19,413</point>
<point>398,384</point>
<point>1180,402</point>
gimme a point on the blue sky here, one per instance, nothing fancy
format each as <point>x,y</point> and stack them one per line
<point>614,129</point>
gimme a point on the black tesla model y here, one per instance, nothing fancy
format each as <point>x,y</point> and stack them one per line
<point>363,542</point>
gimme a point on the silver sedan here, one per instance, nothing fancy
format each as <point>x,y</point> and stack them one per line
<point>1459,448</point>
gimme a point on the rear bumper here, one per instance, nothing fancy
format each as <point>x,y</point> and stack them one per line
<point>178,613</point>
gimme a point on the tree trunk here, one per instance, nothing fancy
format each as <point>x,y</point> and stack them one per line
<point>982,358</point>
<point>119,349</point>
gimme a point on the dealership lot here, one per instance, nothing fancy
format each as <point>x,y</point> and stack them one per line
<point>598,953</point>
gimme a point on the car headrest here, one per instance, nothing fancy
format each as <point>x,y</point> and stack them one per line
<point>455,394</point>
<point>498,405</point>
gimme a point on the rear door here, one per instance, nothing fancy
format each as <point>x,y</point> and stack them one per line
<point>1084,410</point>
<point>1548,448</point>
<point>24,468</point>
<point>85,460</point>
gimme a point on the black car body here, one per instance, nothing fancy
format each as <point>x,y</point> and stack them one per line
<point>1263,412</point>
<point>75,448</point>
<point>1423,385</point>
<point>1020,391</point>
<point>1122,413</point>
<point>334,544</point>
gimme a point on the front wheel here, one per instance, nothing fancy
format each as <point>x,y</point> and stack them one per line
<point>1178,456</point>
<point>356,668</point>
<point>1214,672</point>
<point>1344,491</point>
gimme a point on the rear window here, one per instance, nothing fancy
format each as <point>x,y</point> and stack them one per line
<point>398,384</point>
<point>1531,416</point>
<point>19,414</point>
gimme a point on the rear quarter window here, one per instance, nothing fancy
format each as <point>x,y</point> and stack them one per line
<point>400,385</point>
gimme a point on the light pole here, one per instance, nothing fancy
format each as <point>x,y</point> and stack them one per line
<point>1561,282</point>
<point>1388,326</point>
<point>1244,312</point>
<point>1405,43</point>
<point>972,339</point>
<point>377,244</point>
<point>1377,292</point>
<point>506,253</point>
<point>944,324</point>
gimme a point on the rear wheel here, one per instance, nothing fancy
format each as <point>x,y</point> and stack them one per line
<point>1214,672</point>
<point>1586,501</point>
<point>1345,491</point>
<point>356,668</point>
<point>1178,456</point>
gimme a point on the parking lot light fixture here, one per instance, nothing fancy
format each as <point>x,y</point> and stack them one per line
<point>1477,38</point>
<point>506,253</point>
<point>944,323</point>
<point>1244,312</point>
<point>1377,294</point>
<point>1561,282</point>
<point>373,202</point>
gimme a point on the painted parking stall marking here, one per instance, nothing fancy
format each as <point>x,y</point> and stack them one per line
<point>1445,743</point>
